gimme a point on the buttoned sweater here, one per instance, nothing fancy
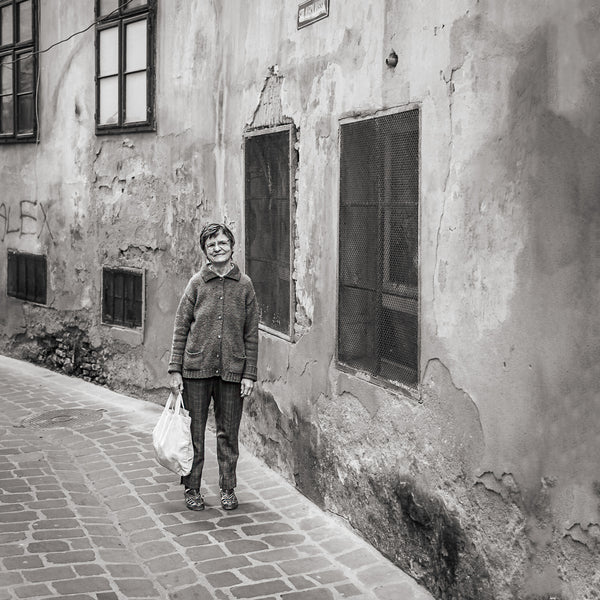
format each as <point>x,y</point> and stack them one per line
<point>216,327</point>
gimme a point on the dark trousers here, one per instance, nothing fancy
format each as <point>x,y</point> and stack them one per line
<point>228,404</point>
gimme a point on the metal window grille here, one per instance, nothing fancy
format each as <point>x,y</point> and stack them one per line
<point>26,277</point>
<point>267,209</point>
<point>122,297</point>
<point>378,253</point>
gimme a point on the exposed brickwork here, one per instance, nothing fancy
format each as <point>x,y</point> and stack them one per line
<point>71,352</point>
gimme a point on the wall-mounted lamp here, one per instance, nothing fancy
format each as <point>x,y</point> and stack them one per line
<point>392,60</point>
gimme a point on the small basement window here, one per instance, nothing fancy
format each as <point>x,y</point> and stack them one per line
<point>26,276</point>
<point>122,297</point>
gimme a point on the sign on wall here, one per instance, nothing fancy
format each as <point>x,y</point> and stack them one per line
<point>312,11</point>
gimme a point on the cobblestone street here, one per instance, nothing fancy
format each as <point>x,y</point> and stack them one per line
<point>87,513</point>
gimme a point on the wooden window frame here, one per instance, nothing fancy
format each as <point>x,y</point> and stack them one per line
<point>120,18</point>
<point>16,288</point>
<point>122,323</point>
<point>13,51</point>
<point>292,166</point>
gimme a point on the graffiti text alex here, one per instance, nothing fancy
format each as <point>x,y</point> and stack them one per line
<point>29,218</point>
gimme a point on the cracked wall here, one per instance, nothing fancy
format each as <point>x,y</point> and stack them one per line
<point>484,484</point>
<point>508,186</point>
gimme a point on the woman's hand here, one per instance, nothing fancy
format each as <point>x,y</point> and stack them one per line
<point>247,386</point>
<point>176,383</point>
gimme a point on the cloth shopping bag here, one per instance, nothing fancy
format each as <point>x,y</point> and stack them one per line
<point>172,437</point>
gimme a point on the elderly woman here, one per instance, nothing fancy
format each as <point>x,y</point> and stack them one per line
<point>214,356</point>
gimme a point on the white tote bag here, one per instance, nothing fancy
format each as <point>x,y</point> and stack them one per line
<point>172,437</point>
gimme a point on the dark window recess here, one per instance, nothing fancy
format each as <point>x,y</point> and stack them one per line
<point>267,163</point>
<point>122,297</point>
<point>125,65</point>
<point>378,253</point>
<point>18,70</point>
<point>26,276</point>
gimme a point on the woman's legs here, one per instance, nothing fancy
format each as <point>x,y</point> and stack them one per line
<point>228,405</point>
<point>196,399</point>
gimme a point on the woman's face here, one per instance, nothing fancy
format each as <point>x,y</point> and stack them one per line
<point>218,249</point>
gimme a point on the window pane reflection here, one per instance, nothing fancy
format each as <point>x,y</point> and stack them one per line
<point>135,94</point>
<point>107,6</point>
<point>6,17</point>
<point>6,115</point>
<point>135,40</point>
<point>109,106</point>
<point>109,51</point>
<point>5,75</point>
<point>25,114</point>
<point>135,3</point>
<point>25,22</point>
<point>25,73</point>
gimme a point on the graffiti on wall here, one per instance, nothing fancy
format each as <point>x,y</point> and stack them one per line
<point>29,218</point>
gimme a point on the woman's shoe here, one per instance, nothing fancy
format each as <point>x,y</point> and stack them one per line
<point>194,499</point>
<point>229,500</point>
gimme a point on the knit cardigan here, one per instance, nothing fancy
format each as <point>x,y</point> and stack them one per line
<point>216,328</point>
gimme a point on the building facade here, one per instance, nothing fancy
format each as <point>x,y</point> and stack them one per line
<point>413,188</point>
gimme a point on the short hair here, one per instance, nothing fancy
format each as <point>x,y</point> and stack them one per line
<point>213,229</point>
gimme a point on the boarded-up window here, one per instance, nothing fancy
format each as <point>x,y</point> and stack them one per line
<point>26,276</point>
<point>122,297</point>
<point>268,163</point>
<point>378,246</point>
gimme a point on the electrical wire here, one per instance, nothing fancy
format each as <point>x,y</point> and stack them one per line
<point>8,64</point>
<point>95,22</point>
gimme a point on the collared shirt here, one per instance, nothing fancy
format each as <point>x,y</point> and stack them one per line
<point>216,327</point>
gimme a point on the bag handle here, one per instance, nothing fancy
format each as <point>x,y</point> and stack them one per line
<point>170,402</point>
<point>178,403</point>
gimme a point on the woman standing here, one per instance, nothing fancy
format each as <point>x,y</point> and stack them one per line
<point>214,356</point>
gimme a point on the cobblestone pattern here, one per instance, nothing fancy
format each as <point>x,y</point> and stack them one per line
<point>89,514</point>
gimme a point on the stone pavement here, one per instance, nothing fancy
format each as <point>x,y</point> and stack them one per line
<point>87,513</point>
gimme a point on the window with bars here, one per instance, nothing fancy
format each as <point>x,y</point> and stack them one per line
<point>378,292</point>
<point>269,164</point>
<point>125,65</point>
<point>122,297</point>
<point>18,70</point>
<point>26,276</point>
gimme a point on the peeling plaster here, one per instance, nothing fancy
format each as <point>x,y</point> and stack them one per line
<point>450,84</point>
<point>505,486</point>
<point>268,112</point>
<point>587,536</point>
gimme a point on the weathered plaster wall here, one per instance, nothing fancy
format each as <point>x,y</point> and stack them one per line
<point>88,201</point>
<point>487,486</point>
<point>484,484</point>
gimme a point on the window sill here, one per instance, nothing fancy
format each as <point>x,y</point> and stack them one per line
<point>275,333</point>
<point>28,300</point>
<point>30,139</point>
<point>133,337</point>
<point>412,392</point>
<point>125,130</point>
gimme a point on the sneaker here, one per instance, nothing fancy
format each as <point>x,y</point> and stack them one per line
<point>229,500</point>
<point>194,499</point>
